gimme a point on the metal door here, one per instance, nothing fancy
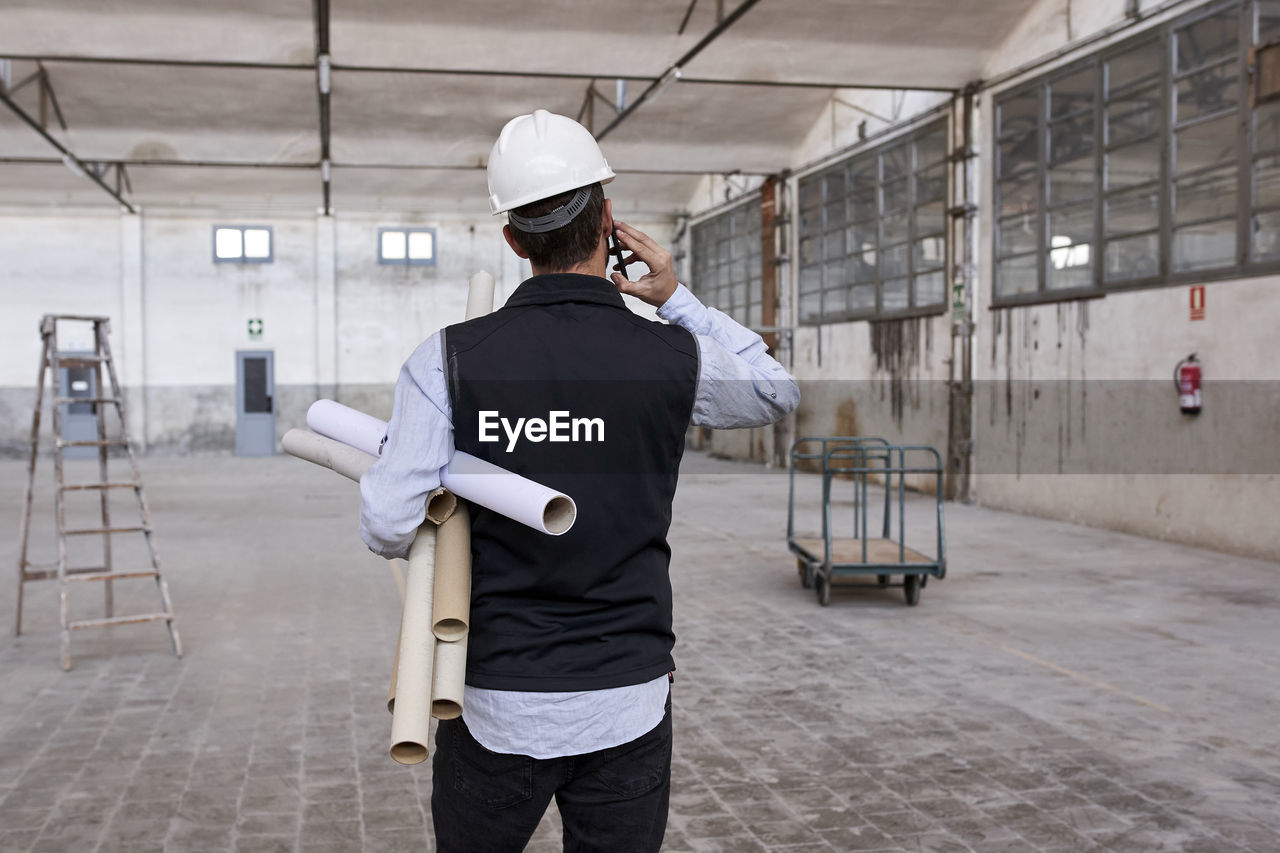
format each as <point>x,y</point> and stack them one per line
<point>79,420</point>
<point>255,403</point>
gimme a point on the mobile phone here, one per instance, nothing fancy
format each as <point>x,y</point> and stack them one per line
<point>617,253</point>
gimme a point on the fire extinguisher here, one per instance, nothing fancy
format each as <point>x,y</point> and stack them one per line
<point>1186,376</point>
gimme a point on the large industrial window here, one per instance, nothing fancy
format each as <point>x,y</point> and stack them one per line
<point>1142,165</point>
<point>726,262</point>
<point>873,232</point>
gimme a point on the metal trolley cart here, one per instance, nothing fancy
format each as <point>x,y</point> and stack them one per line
<point>856,460</point>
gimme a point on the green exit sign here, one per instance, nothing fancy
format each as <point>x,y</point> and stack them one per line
<point>255,327</point>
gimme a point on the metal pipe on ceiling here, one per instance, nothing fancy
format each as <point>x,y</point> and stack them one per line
<point>674,72</point>
<point>323,77</point>
<point>73,162</point>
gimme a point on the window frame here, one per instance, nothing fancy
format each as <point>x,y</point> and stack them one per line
<point>703,262</point>
<point>874,156</point>
<point>244,259</point>
<point>407,261</point>
<point>1163,37</point>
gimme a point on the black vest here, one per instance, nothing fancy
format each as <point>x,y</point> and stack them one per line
<point>590,609</point>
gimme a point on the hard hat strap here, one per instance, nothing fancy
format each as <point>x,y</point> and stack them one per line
<point>557,218</point>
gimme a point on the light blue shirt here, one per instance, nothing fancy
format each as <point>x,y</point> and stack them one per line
<point>739,385</point>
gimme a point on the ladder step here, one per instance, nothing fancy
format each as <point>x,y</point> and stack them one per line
<point>98,530</point>
<point>81,360</point>
<point>105,442</point>
<point>64,400</point>
<point>108,576</point>
<point>81,487</point>
<point>121,620</point>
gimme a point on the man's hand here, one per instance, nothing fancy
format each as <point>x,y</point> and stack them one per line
<point>659,283</point>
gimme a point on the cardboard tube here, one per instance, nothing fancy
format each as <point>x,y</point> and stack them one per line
<point>411,713</point>
<point>452,605</point>
<point>327,453</point>
<point>395,666</point>
<point>440,505</point>
<point>334,420</point>
<point>479,295</point>
<point>450,678</point>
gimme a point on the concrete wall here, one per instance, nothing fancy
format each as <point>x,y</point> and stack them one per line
<point>339,324</point>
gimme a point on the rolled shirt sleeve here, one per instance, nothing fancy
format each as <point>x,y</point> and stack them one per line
<point>739,383</point>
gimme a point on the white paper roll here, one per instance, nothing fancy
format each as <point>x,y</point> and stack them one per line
<point>480,482</point>
<point>479,295</point>
<point>361,431</point>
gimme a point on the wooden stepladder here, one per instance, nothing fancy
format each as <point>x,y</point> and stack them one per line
<point>52,361</point>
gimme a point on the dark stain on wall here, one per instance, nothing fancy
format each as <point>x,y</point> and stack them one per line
<point>896,346</point>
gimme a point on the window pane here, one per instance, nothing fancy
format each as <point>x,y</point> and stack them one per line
<point>895,228</point>
<point>1069,268</point>
<point>1210,143</point>
<point>862,299</point>
<point>810,220</point>
<point>1016,275</point>
<point>833,274</point>
<point>1071,138</point>
<point>1141,62</point>
<point>810,307</point>
<point>860,269</point>
<point>861,207</point>
<point>931,185</point>
<point>1017,154</point>
<point>1132,258</point>
<point>931,148</point>
<point>1017,235</point>
<point>1018,112</point>
<point>1205,196</point>
<point>896,162</point>
<point>811,192</point>
<point>421,246</point>
<point>1266,182</point>
<point>835,214</point>
<point>1071,181</point>
<point>833,245</point>
<point>834,180</point>
<point>1210,91</point>
<point>895,195</point>
<point>1267,135</point>
<point>931,219</point>
<point>1268,20</point>
<point>929,253</point>
<point>1133,116</point>
<point>893,261</point>
<point>227,243</point>
<point>1133,164</point>
<point>1266,236</point>
<point>1205,246</point>
<point>1207,40</point>
<point>893,295</point>
<point>1136,210</point>
<point>860,238</point>
<point>810,279</point>
<point>257,243</point>
<point>1019,195</point>
<point>810,249</point>
<point>1071,226</point>
<point>930,288</point>
<point>1072,93</point>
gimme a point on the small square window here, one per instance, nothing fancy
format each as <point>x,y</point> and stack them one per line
<point>416,246</point>
<point>242,244</point>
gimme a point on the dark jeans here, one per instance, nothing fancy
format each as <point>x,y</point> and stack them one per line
<point>612,801</point>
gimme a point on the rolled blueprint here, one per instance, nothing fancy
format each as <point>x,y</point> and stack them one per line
<point>361,431</point>
<point>450,676</point>
<point>411,713</point>
<point>480,482</point>
<point>479,295</point>
<point>328,453</point>
<point>452,601</point>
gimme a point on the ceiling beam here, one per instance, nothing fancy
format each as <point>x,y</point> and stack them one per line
<point>480,72</point>
<point>72,162</point>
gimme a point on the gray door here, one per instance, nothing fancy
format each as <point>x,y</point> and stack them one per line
<point>255,403</point>
<point>79,420</point>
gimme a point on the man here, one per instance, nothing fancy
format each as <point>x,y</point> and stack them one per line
<point>570,641</point>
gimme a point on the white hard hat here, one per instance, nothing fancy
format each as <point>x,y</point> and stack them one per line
<point>541,155</point>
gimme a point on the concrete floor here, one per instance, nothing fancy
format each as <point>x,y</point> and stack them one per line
<point>1064,689</point>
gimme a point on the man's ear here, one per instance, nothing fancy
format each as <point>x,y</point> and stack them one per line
<point>511,241</point>
<point>606,218</point>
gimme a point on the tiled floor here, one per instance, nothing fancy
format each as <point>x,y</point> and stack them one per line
<point>1063,689</point>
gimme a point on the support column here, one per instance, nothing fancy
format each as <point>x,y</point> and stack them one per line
<point>131,331</point>
<point>326,371</point>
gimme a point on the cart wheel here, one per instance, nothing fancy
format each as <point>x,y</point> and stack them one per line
<point>911,589</point>
<point>883,580</point>
<point>942,570</point>
<point>806,573</point>
<point>823,584</point>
